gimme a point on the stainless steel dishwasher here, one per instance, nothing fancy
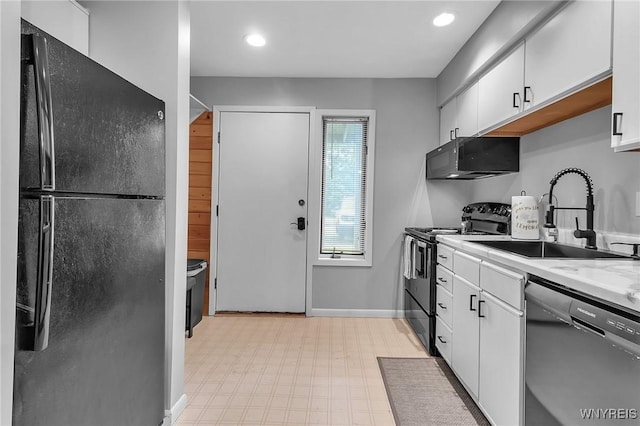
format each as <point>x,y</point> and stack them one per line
<point>582,362</point>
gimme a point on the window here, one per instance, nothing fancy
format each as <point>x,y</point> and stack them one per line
<point>347,160</point>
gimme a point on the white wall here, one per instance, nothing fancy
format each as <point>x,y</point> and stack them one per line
<point>9,158</point>
<point>147,42</point>
<point>407,127</point>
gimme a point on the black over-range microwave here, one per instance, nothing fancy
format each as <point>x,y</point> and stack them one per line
<point>474,158</point>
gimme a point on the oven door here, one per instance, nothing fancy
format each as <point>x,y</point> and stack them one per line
<point>420,287</point>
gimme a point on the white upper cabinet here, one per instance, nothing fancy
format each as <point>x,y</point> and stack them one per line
<point>626,76</point>
<point>459,116</point>
<point>499,90</point>
<point>566,54</point>
<point>572,48</point>
<point>467,108</point>
<point>447,121</point>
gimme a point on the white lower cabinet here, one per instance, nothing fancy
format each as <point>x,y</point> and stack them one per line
<point>444,340</point>
<point>485,341</point>
<point>465,355</point>
<point>500,366</point>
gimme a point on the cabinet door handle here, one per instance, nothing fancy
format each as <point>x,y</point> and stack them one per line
<point>616,116</point>
<point>526,88</point>
<point>442,280</point>
<point>450,135</point>
<point>441,339</point>
<point>442,256</point>
<point>516,95</point>
<point>455,132</point>
<point>471,302</point>
<point>442,305</point>
<point>480,302</point>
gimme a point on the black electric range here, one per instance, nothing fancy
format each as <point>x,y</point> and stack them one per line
<point>420,263</point>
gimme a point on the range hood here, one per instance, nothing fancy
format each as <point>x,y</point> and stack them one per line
<point>474,158</point>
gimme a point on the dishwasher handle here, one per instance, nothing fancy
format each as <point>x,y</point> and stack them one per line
<point>587,326</point>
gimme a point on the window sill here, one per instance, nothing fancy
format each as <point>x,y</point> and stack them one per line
<point>343,261</point>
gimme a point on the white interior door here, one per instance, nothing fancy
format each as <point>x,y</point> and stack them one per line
<point>262,191</point>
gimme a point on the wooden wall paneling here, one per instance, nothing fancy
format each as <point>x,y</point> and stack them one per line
<point>198,129</point>
<point>202,206</point>
<point>199,232</point>
<point>200,181</point>
<point>200,142</point>
<point>199,218</point>
<point>196,168</point>
<point>200,173</point>
<point>196,193</point>
<point>199,155</point>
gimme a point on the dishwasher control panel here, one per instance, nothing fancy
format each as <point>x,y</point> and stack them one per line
<point>600,320</point>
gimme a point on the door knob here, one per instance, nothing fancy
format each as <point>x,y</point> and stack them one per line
<point>301,223</point>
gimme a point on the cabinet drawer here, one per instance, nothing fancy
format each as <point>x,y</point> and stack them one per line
<point>467,267</point>
<point>443,305</point>
<point>444,340</point>
<point>445,256</point>
<point>444,277</point>
<point>503,284</point>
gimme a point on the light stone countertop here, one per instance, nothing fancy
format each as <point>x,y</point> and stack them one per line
<point>616,281</point>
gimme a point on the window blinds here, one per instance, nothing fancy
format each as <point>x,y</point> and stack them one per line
<point>344,172</point>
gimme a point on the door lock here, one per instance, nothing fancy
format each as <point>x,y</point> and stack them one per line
<point>301,223</point>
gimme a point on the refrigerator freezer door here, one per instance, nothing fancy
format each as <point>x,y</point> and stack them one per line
<point>104,364</point>
<point>107,134</point>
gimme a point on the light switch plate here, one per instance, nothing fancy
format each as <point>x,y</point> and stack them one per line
<point>637,204</point>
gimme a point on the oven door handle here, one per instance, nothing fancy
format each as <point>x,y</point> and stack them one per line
<point>422,259</point>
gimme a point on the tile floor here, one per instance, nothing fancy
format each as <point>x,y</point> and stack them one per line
<point>278,370</point>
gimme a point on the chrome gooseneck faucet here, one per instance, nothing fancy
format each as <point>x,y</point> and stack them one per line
<point>589,234</point>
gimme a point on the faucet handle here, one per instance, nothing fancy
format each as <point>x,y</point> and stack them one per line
<point>589,234</point>
<point>635,248</point>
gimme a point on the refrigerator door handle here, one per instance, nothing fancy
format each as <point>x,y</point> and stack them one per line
<point>40,60</point>
<point>44,282</point>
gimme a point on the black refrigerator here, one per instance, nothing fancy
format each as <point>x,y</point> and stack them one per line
<point>90,302</point>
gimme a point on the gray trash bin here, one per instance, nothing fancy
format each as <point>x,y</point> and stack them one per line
<point>195,292</point>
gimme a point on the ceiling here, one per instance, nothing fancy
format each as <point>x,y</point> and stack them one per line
<point>365,39</point>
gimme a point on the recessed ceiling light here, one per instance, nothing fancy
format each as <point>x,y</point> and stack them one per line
<point>255,40</point>
<point>443,19</point>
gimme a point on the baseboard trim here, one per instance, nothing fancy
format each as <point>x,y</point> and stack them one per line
<point>356,313</point>
<point>172,415</point>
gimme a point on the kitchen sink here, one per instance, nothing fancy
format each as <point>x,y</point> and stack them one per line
<point>543,249</point>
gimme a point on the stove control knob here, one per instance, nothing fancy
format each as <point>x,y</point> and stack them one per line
<point>467,209</point>
<point>482,209</point>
